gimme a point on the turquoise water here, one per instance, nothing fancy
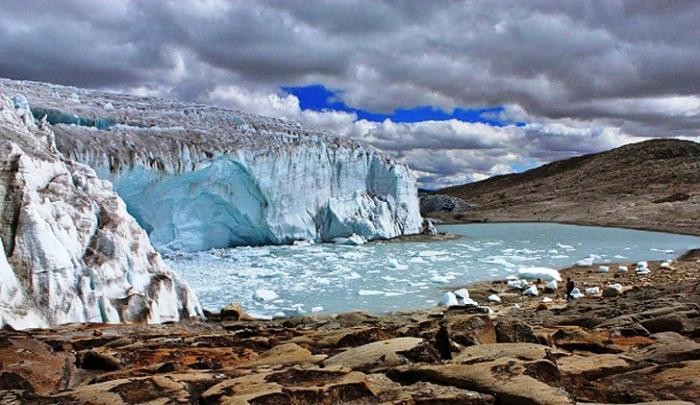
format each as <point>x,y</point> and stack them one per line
<point>385,276</point>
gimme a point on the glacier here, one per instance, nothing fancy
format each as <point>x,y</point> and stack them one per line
<point>69,251</point>
<point>198,177</point>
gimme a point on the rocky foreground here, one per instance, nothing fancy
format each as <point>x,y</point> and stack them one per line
<point>640,346</point>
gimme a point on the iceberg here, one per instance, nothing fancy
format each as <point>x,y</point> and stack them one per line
<point>198,177</point>
<point>542,273</point>
<point>70,251</point>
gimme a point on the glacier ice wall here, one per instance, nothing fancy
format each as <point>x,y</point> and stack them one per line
<point>198,177</point>
<point>70,251</point>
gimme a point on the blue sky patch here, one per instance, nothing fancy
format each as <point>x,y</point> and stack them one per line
<point>317,97</point>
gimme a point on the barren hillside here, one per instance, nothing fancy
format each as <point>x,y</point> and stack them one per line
<point>653,185</point>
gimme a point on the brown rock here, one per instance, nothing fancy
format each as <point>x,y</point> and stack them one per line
<point>385,353</point>
<point>669,347</point>
<point>593,367</point>
<point>25,360</point>
<point>514,331</point>
<point>511,381</point>
<point>470,329</point>
<point>288,353</point>
<point>519,351</point>
<point>294,385</point>
<point>234,312</point>
<point>677,381</point>
<point>664,323</point>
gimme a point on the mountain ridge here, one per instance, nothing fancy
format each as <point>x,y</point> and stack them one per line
<point>653,184</point>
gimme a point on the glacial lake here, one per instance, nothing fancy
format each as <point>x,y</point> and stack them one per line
<point>389,276</point>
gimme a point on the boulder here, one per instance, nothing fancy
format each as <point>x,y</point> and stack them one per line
<point>234,312</point>
<point>470,329</point>
<point>612,290</point>
<point>514,331</point>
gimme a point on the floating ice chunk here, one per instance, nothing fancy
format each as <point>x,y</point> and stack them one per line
<point>354,239</point>
<point>394,264</point>
<point>546,300</point>
<point>442,279</point>
<point>448,299</point>
<point>316,309</point>
<point>264,317</point>
<point>531,291</point>
<point>303,242</point>
<point>462,293</point>
<point>565,247</point>
<point>576,293</point>
<point>592,291</point>
<point>622,269</point>
<point>353,276</point>
<point>264,295</point>
<point>493,298</point>
<point>542,273</point>
<point>370,292</point>
<point>603,269</point>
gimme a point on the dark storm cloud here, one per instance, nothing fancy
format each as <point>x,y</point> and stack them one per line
<point>577,67</point>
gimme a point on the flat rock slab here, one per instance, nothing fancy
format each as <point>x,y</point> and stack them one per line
<point>385,353</point>
<point>510,381</point>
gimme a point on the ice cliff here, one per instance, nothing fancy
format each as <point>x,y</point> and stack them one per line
<point>69,251</point>
<point>199,177</point>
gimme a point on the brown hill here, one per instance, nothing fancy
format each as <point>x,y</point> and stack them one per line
<point>652,185</point>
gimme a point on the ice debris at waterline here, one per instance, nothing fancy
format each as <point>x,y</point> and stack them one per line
<point>69,251</point>
<point>198,177</point>
<point>381,277</point>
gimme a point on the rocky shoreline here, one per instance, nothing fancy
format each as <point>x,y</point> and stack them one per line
<point>640,346</point>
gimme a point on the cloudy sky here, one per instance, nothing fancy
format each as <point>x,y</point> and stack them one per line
<point>459,90</point>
